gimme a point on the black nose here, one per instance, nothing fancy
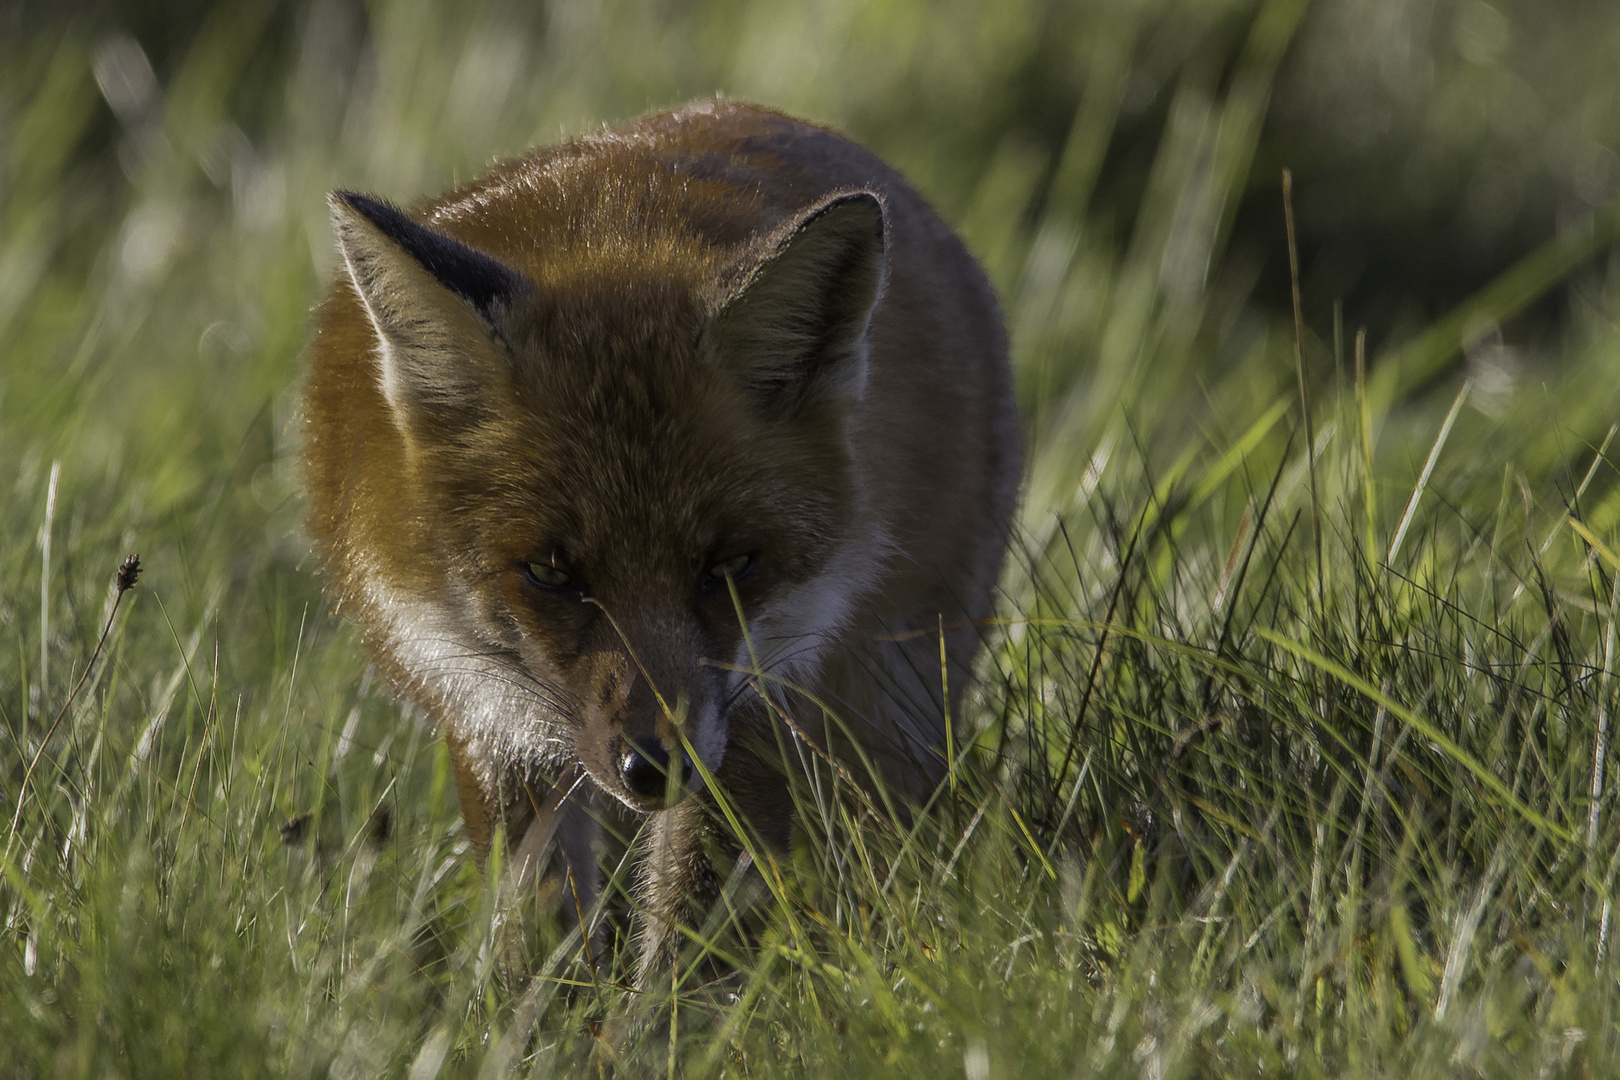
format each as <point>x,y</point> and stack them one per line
<point>645,768</point>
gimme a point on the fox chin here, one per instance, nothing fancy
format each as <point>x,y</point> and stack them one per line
<point>652,453</point>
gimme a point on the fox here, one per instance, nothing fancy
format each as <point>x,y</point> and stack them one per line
<point>650,454</point>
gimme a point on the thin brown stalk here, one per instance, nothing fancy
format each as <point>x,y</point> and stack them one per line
<point>1304,384</point>
<point>1364,426</point>
<point>128,571</point>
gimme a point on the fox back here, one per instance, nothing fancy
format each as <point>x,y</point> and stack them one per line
<point>645,445</point>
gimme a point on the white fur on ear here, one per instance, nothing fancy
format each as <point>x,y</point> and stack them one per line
<point>431,301</point>
<point>796,326</point>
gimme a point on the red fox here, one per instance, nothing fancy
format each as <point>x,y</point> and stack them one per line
<point>652,452</point>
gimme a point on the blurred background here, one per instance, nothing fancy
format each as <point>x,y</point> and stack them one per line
<point>162,165</point>
<point>1116,164</point>
<point>1433,141</point>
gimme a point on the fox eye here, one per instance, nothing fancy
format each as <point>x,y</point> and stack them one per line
<point>736,568</point>
<point>548,577</point>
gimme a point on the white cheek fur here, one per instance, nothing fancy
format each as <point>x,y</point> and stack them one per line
<point>497,705</point>
<point>792,635</point>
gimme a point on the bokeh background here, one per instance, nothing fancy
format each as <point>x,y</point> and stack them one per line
<point>233,855</point>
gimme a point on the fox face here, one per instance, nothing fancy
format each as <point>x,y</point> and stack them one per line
<point>628,494</point>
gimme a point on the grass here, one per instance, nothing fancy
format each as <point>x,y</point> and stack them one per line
<point>1229,800</point>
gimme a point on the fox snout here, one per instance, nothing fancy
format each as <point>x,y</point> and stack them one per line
<point>656,715</point>
<point>644,756</point>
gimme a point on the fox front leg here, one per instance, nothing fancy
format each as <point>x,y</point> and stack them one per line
<point>673,870</point>
<point>549,828</point>
<point>684,848</point>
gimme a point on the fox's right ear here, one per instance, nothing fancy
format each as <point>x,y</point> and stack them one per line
<point>435,305</point>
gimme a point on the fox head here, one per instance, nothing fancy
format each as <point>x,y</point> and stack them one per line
<point>625,480</point>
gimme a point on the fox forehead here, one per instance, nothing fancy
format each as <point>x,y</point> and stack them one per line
<point>629,448</point>
<point>649,499</point>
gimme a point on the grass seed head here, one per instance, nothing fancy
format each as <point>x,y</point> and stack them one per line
<point>129,571</point>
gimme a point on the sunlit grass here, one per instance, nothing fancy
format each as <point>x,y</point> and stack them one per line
<point>1222,805</point>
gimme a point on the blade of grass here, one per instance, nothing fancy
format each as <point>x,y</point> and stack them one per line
<point>1304,383</point>
<point>1423,478</point>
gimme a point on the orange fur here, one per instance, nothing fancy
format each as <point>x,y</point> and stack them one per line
<point>711,336</point>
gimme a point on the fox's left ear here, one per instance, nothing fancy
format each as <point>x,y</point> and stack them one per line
<point>435,304</point>
<point>795,327</point>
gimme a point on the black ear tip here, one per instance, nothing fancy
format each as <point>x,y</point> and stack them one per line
<point>479,278</point>
<point>378,211</point>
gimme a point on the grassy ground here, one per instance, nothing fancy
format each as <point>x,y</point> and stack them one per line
<point>1291,752</point>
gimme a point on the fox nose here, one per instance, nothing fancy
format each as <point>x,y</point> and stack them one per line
<point>645,768</point>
